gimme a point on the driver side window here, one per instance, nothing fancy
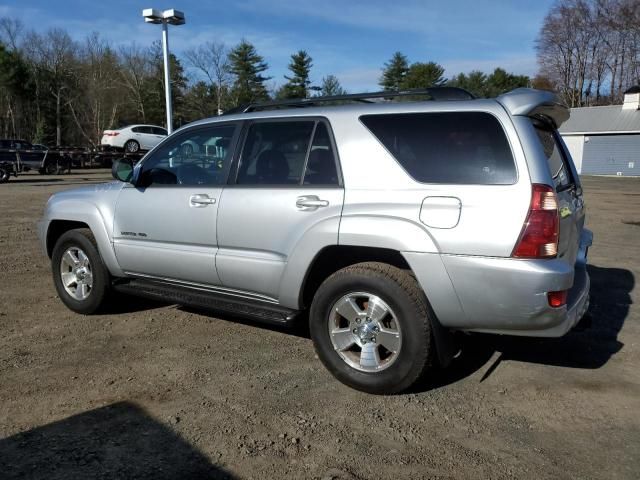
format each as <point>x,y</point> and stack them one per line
<point>199,156</point>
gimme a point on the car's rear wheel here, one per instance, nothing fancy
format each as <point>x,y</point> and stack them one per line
<point>131,146</point>
<point>80,277</point>
<point>371,327</point>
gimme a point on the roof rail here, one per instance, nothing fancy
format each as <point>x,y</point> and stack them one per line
<point>436,93</point>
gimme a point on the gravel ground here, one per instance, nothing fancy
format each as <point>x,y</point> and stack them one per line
<point>161,392</point>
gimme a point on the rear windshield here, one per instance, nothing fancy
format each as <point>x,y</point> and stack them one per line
<point>447,147</point>
<point>555,157</point>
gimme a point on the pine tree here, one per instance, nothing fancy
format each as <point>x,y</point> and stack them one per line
<point>299,84</point>
<point>247,67</point>
<point>500,82</point>
<point>474,82</point>
<point>424,75</point>
<point>394,72</point>
<point>331,86</point>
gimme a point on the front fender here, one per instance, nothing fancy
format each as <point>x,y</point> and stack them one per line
<point>92,206</point>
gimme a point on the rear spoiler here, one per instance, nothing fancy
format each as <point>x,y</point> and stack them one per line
<point>530,102</point>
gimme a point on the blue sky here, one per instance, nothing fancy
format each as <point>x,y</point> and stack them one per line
<point>349,38</point>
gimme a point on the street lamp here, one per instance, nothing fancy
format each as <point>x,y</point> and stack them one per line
<point>173,17</point>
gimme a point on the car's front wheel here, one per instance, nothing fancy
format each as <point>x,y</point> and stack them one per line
<point>371,327</point>
<point>80,277</point>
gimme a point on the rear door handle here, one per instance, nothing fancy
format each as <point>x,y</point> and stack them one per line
<point>200,200</point>
<point>311,202</point>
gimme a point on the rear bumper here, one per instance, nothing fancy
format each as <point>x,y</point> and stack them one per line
<point>111,142</point>
<point>509,296</point>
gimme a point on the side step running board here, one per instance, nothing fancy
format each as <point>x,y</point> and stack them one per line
<point>166,292</point>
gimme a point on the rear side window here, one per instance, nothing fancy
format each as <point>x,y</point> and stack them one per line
<point>555,157</point>
<point>447,147</point>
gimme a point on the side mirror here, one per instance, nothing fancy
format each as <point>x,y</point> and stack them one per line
<point>122,170</point>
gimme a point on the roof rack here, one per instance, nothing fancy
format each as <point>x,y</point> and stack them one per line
<point>436,93</point>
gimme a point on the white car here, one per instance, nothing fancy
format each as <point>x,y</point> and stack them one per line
<point>134,137</point>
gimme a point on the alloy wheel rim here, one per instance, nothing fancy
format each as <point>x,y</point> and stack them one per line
<point>365,332</point>
<point>76,273</point>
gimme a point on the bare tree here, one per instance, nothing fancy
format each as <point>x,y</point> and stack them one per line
<point>585,46</point>
<point>212,60</point>
<point>53,56</point>
<point>95,104</point>
<point>11,30</point>
<point>136,65</point>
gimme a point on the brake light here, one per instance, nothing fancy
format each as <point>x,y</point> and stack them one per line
<point>539,237</point>
<point>557,299</point>
<point>111,134</point>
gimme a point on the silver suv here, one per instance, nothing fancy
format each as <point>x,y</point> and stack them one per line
<point>391,223</point>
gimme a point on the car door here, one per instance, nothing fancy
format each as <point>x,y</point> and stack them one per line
<point>286,184</point>
<point>145,137</point>
<point>156,135</point>
<point>165,222</point>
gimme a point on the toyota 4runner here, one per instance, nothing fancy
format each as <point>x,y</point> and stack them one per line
<point>392,223</point>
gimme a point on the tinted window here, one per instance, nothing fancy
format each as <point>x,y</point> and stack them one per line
<point>136,129</point>
<point>557,165</point>
<point>321,164</point>
<point>159,131</point>
<point>274,153</point>
<point>199,156</point>
<point>447,147</point>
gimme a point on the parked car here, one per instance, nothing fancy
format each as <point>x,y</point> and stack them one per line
<point>393,224</point>
<point>134,138</point>
<point>18,156</point>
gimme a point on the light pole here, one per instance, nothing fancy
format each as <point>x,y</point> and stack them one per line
<point>173,17</point>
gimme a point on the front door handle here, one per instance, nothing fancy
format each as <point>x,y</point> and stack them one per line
<point>311,202</point>
<point>200,200</point>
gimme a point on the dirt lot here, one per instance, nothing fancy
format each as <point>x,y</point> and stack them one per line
<point>157,391</point>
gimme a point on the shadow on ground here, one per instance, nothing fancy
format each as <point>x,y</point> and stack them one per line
<point>588,346</point>
<point>122,304</point>
<point>113,442</point>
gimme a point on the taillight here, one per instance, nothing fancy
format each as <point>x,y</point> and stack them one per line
<point>539,237</point>
<point>111,134</point>
<point>557,299</point>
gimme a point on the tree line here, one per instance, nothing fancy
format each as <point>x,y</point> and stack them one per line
<point>589,50</point>
<point>57,90</point>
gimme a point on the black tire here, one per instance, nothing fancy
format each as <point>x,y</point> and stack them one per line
<point>50,168</point>
<point>81,238</point>
<point>131,146</point>
<point>401,292</point>
<point>5,175</point>
<point>63,166</point>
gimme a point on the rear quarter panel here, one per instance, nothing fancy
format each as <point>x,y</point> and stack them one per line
<point>382,202</point>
